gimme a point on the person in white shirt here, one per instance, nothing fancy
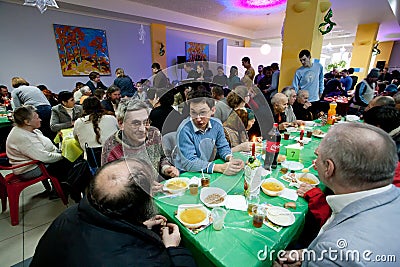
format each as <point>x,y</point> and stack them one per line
<point>95,127</point>
<point>359,168</point>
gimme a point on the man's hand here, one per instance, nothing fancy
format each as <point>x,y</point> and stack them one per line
<point>171,172</point>
<point>246,146</point>
<point>156,220</point>
<point>170,235</point>
<point>304,188</point>
<point>307,105</point>
<point>290,258</point>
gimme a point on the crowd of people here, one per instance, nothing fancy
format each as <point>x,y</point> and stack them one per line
<point>148,132</point>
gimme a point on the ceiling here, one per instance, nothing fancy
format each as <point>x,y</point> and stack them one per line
<point>216,17</point>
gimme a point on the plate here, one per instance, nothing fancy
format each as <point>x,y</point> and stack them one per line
<point>309,123</point>
<point>292,165</point>
<point>291,129</point>
<point>352,118</point>
<point>184,207</point>
<point>272,193</point>
<point>179,181</point>
<point>280,216</point>
<point>319,133</point>
<point>207,191</point>
<point>305,140</point>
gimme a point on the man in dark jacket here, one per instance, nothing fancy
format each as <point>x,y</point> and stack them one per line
<point>94,82</point>
<point>160,79</point>
<point>114,225</point>
<point>113,96</point>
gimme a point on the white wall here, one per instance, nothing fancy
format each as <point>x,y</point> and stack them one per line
<point>28,48</point>
<point>235,55</point>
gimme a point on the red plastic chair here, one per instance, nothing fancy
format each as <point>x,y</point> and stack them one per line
<point>11,186</point>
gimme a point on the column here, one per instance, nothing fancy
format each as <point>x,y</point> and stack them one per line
<point>247,43</point>
<point>386,51</point>
<point>362,48</point>
<point>301,32</point>
<point>159,44</point>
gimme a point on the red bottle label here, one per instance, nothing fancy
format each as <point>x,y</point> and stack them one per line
<point>272,147</point>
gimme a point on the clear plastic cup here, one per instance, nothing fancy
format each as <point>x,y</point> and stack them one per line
<point>218,216</point>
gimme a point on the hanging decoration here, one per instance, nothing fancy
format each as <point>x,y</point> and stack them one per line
<point>41,4</point>
<point>283,28</point>
<point>327,26</point>
<point>376,50</point>
<point>161,52</point>
<point>142,34</point>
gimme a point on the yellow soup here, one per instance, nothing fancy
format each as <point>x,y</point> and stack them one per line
<point>307,180</point>
<point>175,185</point>
<point>271,186</point>
<point>193,216</point>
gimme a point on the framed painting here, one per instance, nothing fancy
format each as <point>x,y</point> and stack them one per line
<point>196,51</point>
<point>82,50</point>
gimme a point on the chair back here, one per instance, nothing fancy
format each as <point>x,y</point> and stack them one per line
<point>93,157</point>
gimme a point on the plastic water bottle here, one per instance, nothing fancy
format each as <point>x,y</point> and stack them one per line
<point>272,148</point>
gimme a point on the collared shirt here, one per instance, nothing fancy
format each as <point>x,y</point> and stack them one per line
<point>209,126</point>
<point>339,202</point>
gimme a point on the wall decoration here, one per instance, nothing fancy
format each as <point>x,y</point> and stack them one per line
<point>41,4</point>
<point>82,50</point>
<point>327,25</point>
<point>161,52</point>
<point>142,34</point>
<point>196,51</point>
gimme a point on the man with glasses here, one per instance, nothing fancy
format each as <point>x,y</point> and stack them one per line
<point>200,138</point>
<point>309,77</point>
<point>137,139</point>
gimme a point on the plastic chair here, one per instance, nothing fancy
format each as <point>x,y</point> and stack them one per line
<point>11,186</point>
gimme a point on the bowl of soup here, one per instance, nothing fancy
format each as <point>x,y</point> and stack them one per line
<point>176,185</point>
<point>307,178</point>
<point>272,187</point>
<point>193,216</point>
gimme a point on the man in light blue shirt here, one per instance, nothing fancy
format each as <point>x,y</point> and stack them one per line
<point>199,135</point>
<point>309,77</point>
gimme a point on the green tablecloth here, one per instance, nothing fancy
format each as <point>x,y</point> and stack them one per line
<point>239,243</point>
<point>4,122</point>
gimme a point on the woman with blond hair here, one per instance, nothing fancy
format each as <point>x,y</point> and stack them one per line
<point>24,94</point>
<point>124,83</point>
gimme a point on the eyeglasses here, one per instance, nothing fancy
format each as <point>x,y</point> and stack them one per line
<point>137,123</point>
<point>201,114</point>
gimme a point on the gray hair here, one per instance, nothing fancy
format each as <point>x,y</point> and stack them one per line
<point>277,98</point>
<point>396,98</point>
<point>302,93</point>
<point>287,91</point>
<point>85,89</point>
<point>364,155</point>
<point>126,105</point>
<point>23,113</point>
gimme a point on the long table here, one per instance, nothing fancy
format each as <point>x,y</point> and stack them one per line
<point>239,243</point>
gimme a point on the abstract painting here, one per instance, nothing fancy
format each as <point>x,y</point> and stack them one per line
<point>196,51</point>
<point>82,50</point>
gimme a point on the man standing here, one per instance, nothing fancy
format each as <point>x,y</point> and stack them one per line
<point>198,136</point>
<point>160,80</point>
<point>273,89</point>
<point>359,169</point>
<point>260,74</point>
<point>309,77</point>
<point>250,73</point>
<point>364,93</point>
<point>94,82</point>
<point>346,80</point>
<point>114,225</point>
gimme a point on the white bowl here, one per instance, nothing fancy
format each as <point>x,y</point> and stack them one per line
<point>206,191</point>
<point>309,176</point>
<point>292,165</point>
<point>270,192</point>
<point>186,181</point>
<point>182,208</point>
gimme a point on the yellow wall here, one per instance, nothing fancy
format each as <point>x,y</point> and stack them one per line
<point>386,51</point>
<point>247,43</point>
<point>301,32</point>
<point>158,36</point>
<point>362,48</point>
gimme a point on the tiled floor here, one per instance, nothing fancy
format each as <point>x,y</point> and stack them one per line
<point>19,242</point>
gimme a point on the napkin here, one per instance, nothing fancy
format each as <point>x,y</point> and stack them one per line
<point>295,146</point>
<point>290,194</point>
<point>236,202</point>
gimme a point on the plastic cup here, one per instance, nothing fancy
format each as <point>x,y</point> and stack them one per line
<point>205,180</point>
<point>309,134</point>
<point>218,216</point>
<point>194,189</point>
<point>258,216</point>
<point>252,201</point>
<point>286,136</point>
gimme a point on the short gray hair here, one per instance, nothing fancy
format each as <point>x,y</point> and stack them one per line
<point>23,113</point>
<point>364,155</point>
<point>396,98</point>
<point>84,89</point>
<point>287,91</point>
<point>126,105</point>
<point>302,93</point>
<point>277,98</point>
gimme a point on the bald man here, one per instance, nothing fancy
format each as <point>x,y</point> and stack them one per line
<point>113,225</point>
<point>279,104</point>
<point>380,101</point>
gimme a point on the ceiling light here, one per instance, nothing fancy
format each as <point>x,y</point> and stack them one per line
<point>265,49</point>
<point>261,3</point>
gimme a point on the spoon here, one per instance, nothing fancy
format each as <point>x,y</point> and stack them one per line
<point>305,170</point>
